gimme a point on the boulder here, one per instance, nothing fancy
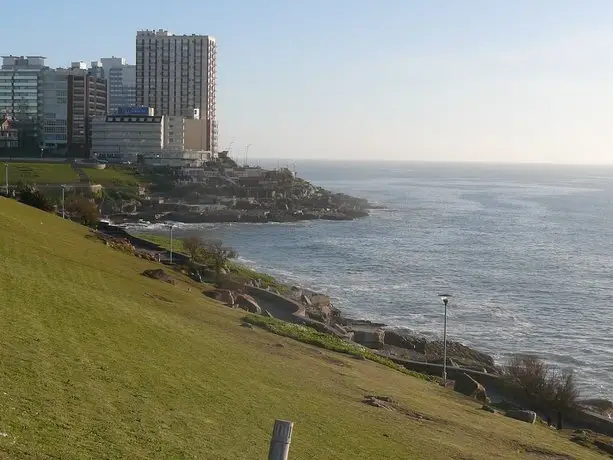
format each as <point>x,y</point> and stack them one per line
<point>605,446</point>
<point>246,302</point>
<point>527,416</point>
<point>371,338</point>
<point>404,339</point>
<point>470,387</point>
<point>226,297</point>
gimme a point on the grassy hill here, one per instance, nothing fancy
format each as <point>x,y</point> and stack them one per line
<point>97,361</point>
<point>40,173</point>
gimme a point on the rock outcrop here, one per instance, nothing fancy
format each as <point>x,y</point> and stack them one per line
<point>246,302</point>
<point>371,338</point>
<point>527,416</point>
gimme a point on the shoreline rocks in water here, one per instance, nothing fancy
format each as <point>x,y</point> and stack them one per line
<point>392,341</point>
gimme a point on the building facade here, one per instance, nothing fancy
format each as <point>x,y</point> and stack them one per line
<point>87,98</point>
<point>121,78</point>
<point>121,138</point>
<point>21,96</point>
<point>177,75</point>
<point>9,134</point>
<point>55,110</point>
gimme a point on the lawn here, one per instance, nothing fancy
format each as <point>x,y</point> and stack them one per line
<point>40,173</point>
<point>111,176</point>
<point>98,361</point>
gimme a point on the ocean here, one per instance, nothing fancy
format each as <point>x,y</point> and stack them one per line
<point>526,251</point>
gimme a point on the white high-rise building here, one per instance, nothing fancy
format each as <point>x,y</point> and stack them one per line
<point>177,74</point>
<point>121,78</point>
<point>21,82</point>
<point>55,109</point>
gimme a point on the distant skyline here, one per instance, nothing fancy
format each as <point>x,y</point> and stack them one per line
<point>436,80</point>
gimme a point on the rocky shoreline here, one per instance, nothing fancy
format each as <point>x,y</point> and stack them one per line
<point>237,216</point>
<point>386,340</point>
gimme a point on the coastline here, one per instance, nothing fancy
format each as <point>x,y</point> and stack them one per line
<point>389,340</point>
<point>394,345</point>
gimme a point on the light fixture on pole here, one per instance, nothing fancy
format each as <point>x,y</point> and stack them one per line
<point>445,299</point>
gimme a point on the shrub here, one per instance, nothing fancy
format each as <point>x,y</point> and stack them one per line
<point>33,197</point>
<point>542,386</point>
<point>84,210</point>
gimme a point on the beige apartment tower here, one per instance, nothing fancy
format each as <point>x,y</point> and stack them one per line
<point>176,75</point>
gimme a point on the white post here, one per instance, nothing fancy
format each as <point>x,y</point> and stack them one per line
<point>171,226</point>
<point>63,207</point>
<point>281,439</point>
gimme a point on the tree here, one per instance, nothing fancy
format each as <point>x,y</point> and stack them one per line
<point>194,246</point>
<point>218,255</point>
<point>84,210</point>
<point>544,387</point>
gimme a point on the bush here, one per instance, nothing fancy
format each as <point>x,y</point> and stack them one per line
<point>544,387</point>
<point>84,210</point>
<point>33,197</point>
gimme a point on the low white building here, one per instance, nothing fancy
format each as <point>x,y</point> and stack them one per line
<point>123,137</point>
<point>159,140</point>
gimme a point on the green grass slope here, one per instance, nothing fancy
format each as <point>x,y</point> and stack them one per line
<point>40,173</point>
<point>97,361</point>
<point>111,176</point>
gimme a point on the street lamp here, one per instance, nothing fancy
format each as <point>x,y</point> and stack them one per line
<point>445,299</point>
<point>171,226</point>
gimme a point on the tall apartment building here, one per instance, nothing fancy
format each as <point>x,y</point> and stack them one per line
<point>21,79</point>
<point>55,110</point>
<point>87,98</point>
<point>177,74</point>
<point>121,78</point>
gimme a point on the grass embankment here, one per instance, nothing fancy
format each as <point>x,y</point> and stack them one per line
<point>98,361</point>
<point>236,269</point>
<point>41,173</point>
<point>329,342</point>
<point>111,176</point>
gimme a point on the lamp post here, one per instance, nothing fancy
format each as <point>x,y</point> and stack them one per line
<point>445,299</point>
<point>171,227</point>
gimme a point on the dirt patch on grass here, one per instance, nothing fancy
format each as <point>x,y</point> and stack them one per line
<point>159,297</point>
<point>158,274</point>
<point>544,454</point>
<point>385,402</point>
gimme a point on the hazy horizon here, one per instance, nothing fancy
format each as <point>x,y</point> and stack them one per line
<point>504,82</point>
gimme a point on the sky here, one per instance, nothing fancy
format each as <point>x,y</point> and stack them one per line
<point>421,80</point>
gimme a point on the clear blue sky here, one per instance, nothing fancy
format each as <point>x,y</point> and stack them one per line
<point>491,80</point>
